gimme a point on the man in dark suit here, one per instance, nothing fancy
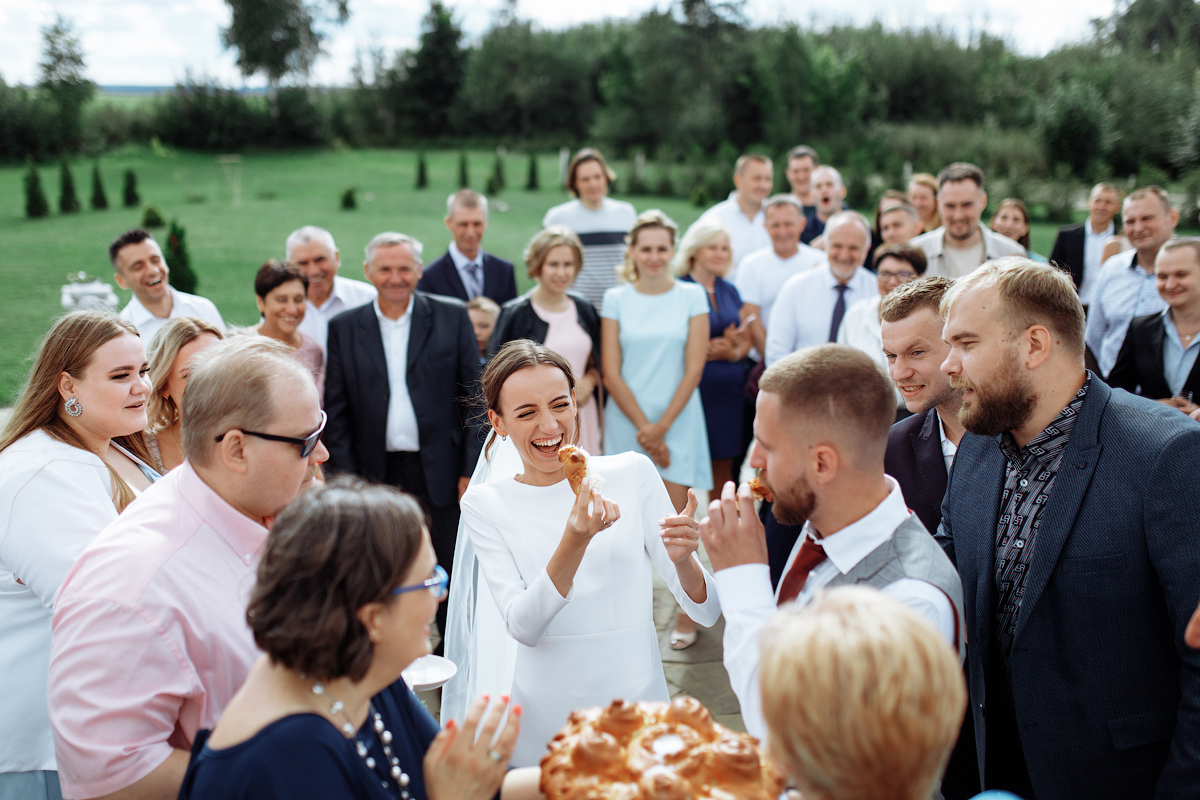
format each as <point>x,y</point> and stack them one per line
<point>1077,248</point>
<point>921,447</point>
<point>1071,516</point>
<point>398,383</point>
<point>465,271</point>
<point>1158,357</point>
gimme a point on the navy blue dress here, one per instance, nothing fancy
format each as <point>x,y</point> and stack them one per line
<point>722,385</point>
<point>304,756</point>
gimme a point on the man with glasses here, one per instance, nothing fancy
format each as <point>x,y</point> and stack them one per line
<point>150,638</point>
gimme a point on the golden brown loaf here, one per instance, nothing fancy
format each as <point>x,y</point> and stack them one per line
<point>655,751</point>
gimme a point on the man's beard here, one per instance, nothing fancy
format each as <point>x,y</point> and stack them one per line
<point>1007,405</point>
<point>945,395</point>
<point>794,505</point>
<point>970,232</point>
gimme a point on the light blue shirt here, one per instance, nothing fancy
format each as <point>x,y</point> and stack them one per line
<point>1124,291</point>
<point>472,279</point>
<point>1177,359</point>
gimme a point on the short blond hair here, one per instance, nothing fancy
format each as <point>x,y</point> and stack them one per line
<point>164,349</point>
<point>862,696</point>
<point>1032,293</point>
<point>647,220</point>
<point>702,233</point>
<point>231,386</point>
<point>544,241</point>
<point>485,304</point>
<point>746,160</point>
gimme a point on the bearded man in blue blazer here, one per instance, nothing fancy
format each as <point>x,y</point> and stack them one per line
<point>1071,514</point>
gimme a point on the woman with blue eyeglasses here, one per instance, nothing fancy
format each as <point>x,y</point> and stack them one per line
<point>347,588</point>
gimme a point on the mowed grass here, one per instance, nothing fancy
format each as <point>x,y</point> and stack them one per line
<point>280,192</point>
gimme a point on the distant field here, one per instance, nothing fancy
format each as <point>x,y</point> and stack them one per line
<point>280,192</point>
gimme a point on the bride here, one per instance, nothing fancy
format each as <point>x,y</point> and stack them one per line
<point>571,576</point>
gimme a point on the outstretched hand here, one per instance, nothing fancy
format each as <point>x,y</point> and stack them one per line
<point>464,763</point>
<point>732,533</point>
<point>681,533</point>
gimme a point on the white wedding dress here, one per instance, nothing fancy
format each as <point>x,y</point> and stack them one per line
<point>599,642</point>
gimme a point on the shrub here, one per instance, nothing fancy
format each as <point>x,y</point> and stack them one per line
<point>531,185</point>
<point>130,192</point>
<point>68,201</point>
<point>498,172</point>
<point>700,197</point>
<point>422,173</point>
<point>492,188</point>
<point>665,188</point>
<point>464,179</point>
<point>349,202</point>
<point>637,186</point>
<point>35,198</point>
<point>99,198</point>
<point>181,276</point>
<point>152,218</point>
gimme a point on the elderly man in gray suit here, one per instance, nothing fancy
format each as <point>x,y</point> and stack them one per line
<point>1071,515</point>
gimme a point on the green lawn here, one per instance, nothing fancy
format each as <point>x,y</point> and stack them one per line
<point>280,192</point>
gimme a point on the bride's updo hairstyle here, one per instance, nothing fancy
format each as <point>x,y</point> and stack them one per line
<point>513,357</point>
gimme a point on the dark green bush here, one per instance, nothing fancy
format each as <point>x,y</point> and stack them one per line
<point>152,218</point>
<point>68,200</point>
<point>422,173</point>
<point>130,192</point>
<point>349,201</point>
<point>464,179</point>
<point>182,276</point>
<point>35,198</point>
<point>532,183</point>
<point>99,198</point>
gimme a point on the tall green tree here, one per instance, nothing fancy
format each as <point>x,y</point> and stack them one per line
<point>68,200</point>
<point>434,73</point>
<point>279,37</point>
<point>35,198</point>
<point>99,198</point>
<point>62,80</point>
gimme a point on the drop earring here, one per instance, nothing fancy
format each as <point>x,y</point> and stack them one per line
<point>73,407</point>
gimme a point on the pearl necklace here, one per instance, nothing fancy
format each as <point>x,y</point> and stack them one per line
<point>392,769</point>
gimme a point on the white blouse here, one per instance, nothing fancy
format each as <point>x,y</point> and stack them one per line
<point>54,499</point>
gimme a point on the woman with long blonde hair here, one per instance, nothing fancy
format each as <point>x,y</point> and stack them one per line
<point>171,355</point>
<point>72,457</point>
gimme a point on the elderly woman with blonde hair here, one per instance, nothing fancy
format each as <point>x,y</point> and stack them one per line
<point>170,356</point>
<point>862,696</point>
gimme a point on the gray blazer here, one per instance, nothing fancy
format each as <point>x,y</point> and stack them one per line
<point>1107,695</point>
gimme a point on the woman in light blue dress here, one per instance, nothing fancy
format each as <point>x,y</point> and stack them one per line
<point>654,331</point>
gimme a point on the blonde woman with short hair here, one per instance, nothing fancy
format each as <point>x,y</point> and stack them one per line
<point>170,357</point>
<point>862,696</point>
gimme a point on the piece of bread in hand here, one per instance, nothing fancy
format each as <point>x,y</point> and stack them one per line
<point>574,461</point>
<point>759,490</point>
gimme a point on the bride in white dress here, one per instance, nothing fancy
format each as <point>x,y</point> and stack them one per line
<point>571,576</point>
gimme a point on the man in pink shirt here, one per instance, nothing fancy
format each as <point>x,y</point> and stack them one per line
<point>149,635</point>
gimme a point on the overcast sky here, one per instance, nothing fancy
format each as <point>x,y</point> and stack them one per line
<point>153,42</point>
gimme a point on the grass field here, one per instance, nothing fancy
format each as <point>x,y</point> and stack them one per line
<point>280,192</point>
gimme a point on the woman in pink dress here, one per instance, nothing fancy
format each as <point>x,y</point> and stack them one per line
<point>563,321</point>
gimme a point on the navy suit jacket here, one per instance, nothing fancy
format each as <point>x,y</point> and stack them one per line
<point>443,370</point>
<point>441,277</point>
<point>1068,251</point>
<point>1139,366</point>
<point>914,459</point>
<point>1106,693</point>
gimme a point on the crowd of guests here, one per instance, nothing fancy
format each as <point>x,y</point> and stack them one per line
<point>220,547</point>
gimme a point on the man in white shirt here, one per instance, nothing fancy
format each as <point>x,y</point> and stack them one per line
<point>961,245</point>
<point>1078,248</point>
<point>822,459</point>
<point>312,251</point>
<point>399,379</point>
<point>763,272</point>
<point>1125,287</point>
<point>140,268</point>
<point>742,213</point>
<point>810,307</point>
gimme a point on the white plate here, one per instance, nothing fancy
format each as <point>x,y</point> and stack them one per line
<point>429,672</point>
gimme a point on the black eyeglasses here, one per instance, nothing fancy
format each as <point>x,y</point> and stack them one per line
<point>307,444</point>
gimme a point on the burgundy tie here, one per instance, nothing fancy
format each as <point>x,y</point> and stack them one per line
<point>809,556</point>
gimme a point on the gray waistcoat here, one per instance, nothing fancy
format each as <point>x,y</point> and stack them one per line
<point>911,553</point>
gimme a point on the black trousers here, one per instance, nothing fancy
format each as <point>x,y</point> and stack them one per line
<point>1004,758</point>
<point>404,471</point>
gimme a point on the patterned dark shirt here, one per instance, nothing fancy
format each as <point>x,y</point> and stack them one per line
<point>1028,478</point>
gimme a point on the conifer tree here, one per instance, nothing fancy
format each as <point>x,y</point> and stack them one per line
<point>99,198</point>
<point>68,201</point>
<point>35,198</point>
